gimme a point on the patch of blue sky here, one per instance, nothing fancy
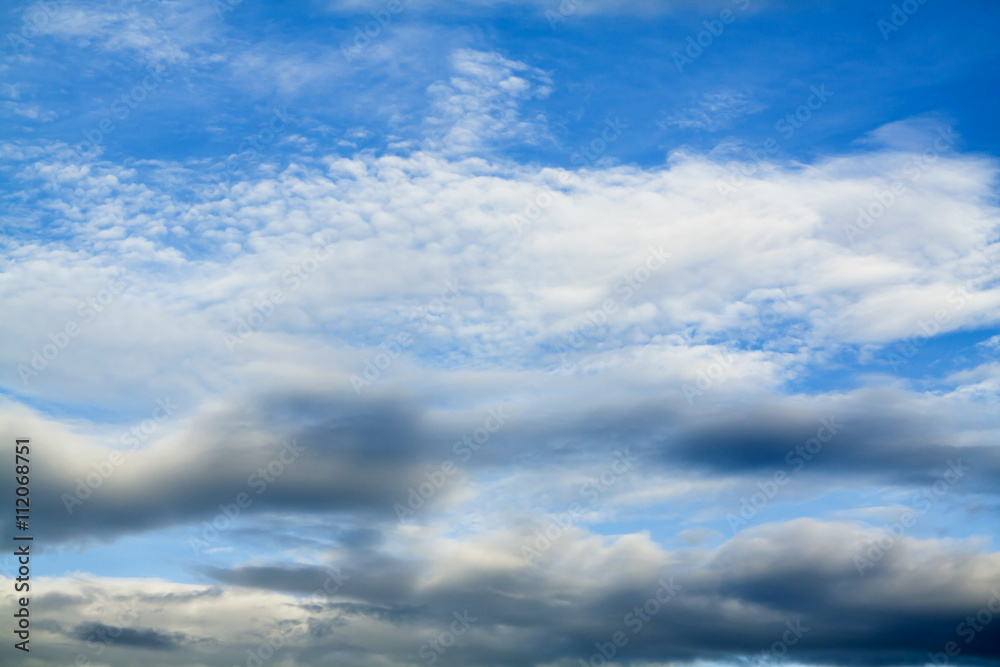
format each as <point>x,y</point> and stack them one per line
<point>924,361</point>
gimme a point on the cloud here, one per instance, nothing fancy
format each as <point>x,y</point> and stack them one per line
<point>165,35</point>
<point>481,103</point>
<point>736,600</point>
<point>357,460</point>
<point>731,259</point>
<point>714,111</point>
<point>565,8</point>
<point>141,638</point>
<point>329,330</point>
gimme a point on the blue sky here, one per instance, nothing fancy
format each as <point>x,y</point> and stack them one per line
<point>509,308</point>
<point>758,70</point>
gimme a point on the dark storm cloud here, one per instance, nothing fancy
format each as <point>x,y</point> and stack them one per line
<point>361,456</point>
<point>879,436</point>
<point>753,593</point>
<point>736,600</point>
<point>351,456</point>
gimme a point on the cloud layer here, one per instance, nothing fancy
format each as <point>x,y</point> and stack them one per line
<point>446,387</point>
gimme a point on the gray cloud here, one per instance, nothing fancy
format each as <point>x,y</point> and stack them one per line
<point>134,637</point>
<point>361,457</point>
<point>734,601</point>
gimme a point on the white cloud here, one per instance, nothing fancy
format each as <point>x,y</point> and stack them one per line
<point>432,219</point>
<point>169,34</point>
<point>714,111</point>
<point>482,102</point>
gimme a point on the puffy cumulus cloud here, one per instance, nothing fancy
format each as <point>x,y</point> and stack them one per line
<point>607,269</point>
<point>480,104</point>
<point>790,587</point>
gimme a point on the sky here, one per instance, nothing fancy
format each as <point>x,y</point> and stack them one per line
<point>515,333</point>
